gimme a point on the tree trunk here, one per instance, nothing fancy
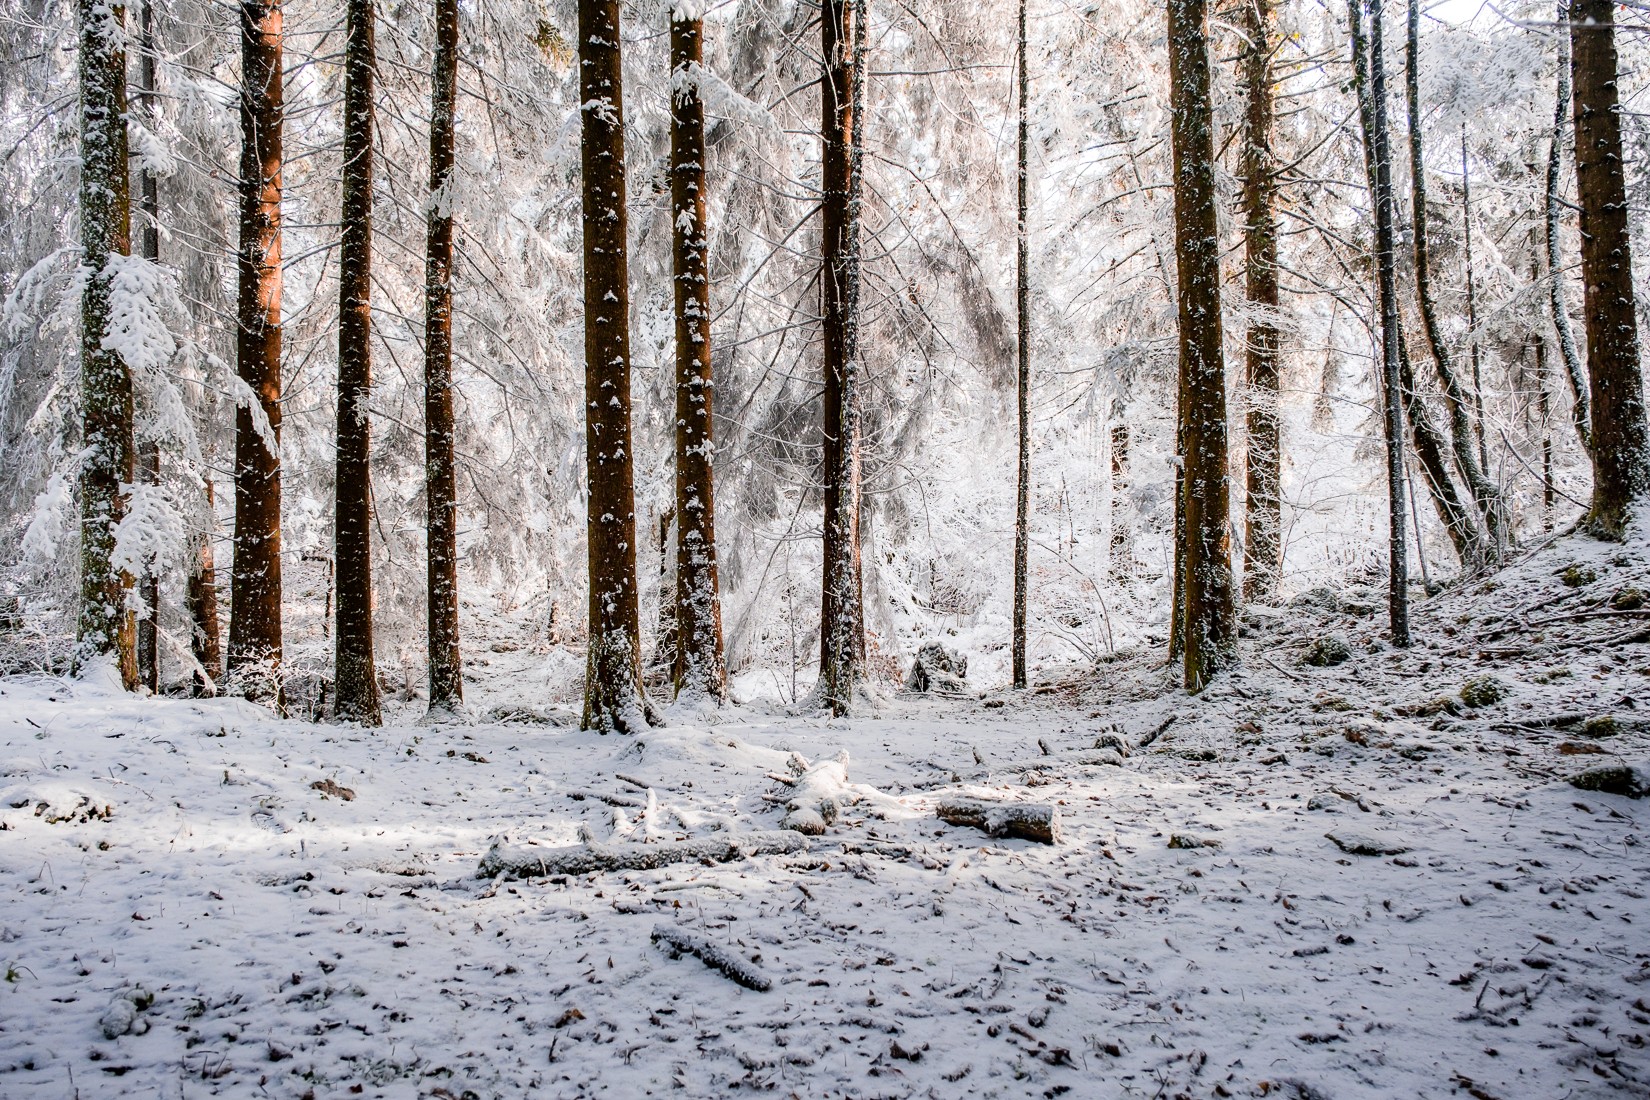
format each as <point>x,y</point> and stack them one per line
<point>1432,455</point>
<point>1210,633</point>
<point>613,695</point>
<point>356,679</point>
<point>148,458</point>
<point>700,671</point>
<point>1022,495</point>
<point>842,620</point>
<point>1369,77</point>
<point>1581,408</point>
<point>1463,431</point>
<point>255,580</point>
<point>201,600</point>
<point>1621,438</point>
<point>1263,546</point>
<point>1474,347</point>
<point>440,482</point>
<point>106,627</point>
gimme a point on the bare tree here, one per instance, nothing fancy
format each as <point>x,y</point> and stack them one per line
<point>1209,606</point>
<point>613,695</point>
<point>842,611</point>
<point>700,670</point>
<point>356,679</point>
<point>1263,545</point>
<point>106,627</point>
<point>440,483</point>
<point>255,581</point>
<point>1022,296</point>
<point>1581,407</point>
<point>1466,444</point>
<point>1621,438</point>
<point>1369,70</point>
<point>148,449</point>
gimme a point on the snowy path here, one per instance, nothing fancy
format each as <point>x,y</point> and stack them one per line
<point>295,941</point>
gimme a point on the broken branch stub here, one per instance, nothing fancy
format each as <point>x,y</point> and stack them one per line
<point>1038,822</point>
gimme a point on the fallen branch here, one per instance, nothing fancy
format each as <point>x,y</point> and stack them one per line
<point>1026,820</point>
<point>679,941</point>
<point>514,861</point>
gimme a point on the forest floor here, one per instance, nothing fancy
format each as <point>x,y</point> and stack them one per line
<point>196,899</point>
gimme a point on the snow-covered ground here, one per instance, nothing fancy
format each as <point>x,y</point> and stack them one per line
<point>197,899</point>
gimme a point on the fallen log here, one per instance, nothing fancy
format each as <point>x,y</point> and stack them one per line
<point>1025,820</point>
<point>505,860</point>
<point>679,941</point>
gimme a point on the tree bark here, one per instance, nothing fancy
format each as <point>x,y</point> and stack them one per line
<point>1263,546</point>
<point>1022,495</point>
<point>1369,71</point>
<point>1210,633</point>
<point>440,482</point>
<point>106,628</point>
<point>700,670</point>
<point>255,580</point>
<point>613,698</point>
<point>1581,407</point>
<point>355,677</point>
<point>1463,431</point>
<point>1621,438</point>
<point>842,619</point>
<point>148,455</point>
<point>201,601</point>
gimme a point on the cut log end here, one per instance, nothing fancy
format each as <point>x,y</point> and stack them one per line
<point>1039,822</point>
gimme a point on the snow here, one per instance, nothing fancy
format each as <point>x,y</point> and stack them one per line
<point>297,941</point>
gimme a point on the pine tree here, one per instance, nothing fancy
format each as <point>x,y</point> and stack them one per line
<point>1209,607</point>
<point>1369,71</point>
<point>842,610</point>
<point>106,627</point>
<point>255,581</point>
<point>440,482</point>
<point>1620,435</point>
<point>1022,297</point>
<point>613,696</point>
<point>356,679</point>
<point>1263,546</point>
<point>700,671</point>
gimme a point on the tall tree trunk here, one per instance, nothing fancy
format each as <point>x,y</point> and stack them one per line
<point>148,456</point>
<point>1463,431</point>
<point>613,695</point>
<point>1369,76</point>
<point>106,627</point>
<point>1210,607</point>
<point>700,671</point>
<point>1621,437</point>
<point>356,678</point>
<point>201,601</point>
<point>440,482</point>
<point>255,580</point>
<point>1475,351</point>
<point>1022,293</point>
<point>1581,408</point>
<point>1263,546</point>
<point>842,619</point>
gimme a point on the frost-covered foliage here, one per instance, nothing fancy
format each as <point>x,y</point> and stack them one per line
<point>939,333</point>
